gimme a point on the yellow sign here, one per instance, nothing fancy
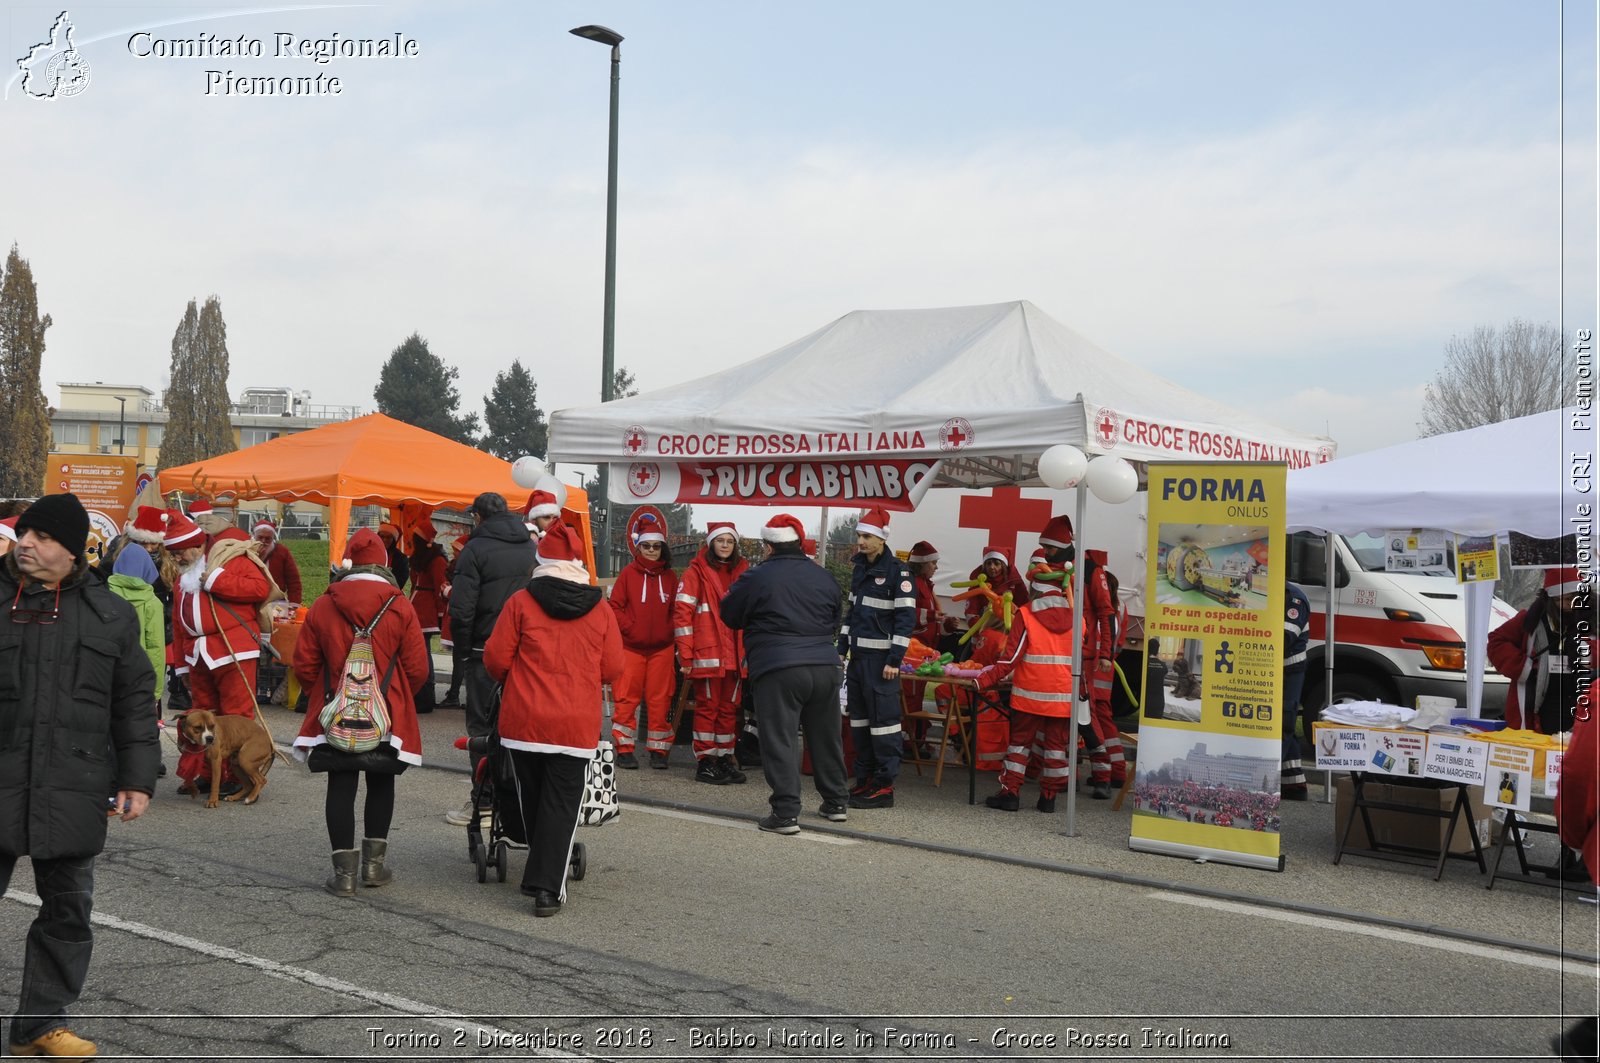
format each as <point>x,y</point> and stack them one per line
<point>104,483</point>
<point>1207,781</point>
<point>1477,559</point>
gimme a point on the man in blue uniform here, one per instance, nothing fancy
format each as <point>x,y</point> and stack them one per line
<point>1296,630</point>
<point>877,631</point>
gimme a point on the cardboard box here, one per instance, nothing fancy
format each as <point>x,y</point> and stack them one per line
<point>1401,828</point>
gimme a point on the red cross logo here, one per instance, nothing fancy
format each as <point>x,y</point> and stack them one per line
<point>633,439</point>
<point>1106,423</point>
<point>643,476</point>
<point>955,434</point>
<point>1005,515</point>
<point>1324,454</point>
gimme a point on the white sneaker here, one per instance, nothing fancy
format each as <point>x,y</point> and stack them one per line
<point>460,817</point>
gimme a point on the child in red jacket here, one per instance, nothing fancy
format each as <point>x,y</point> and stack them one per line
<point>642,598</point>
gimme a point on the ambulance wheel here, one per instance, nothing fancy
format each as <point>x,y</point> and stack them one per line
<point>480,856</point>
<point>501,849</point>
<point>580,861</point>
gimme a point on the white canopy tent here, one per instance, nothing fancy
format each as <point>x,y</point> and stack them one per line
<point>1515,475</point>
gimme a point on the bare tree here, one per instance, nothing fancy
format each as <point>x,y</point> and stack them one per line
<point>1494,375</point>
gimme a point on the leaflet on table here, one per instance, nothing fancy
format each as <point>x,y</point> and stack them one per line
<point>1510,778</point>
<point>1552,771</point>
<point>1453,759</point>
<point>1397,753</point>
<point>1214,599</point>
<point>1342,748</point>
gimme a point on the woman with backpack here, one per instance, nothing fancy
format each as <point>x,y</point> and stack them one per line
<point>364,593</point>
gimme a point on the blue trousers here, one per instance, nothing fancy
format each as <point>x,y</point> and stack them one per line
<point>1294,681</point>
<point>874,704</point>
<point>55,962</point>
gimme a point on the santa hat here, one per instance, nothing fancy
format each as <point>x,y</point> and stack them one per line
<point>559,544</point>
<point>542,504</point>
<point>921,553</point>
<point>1057,533</point>
<point>181,532</point>
<point>392,531</point>
<point>1559,581</point>
<point>264,522</point>
<point>720,527</point>
<point>149,525</point>
<point>8,529</point>
<point>874,522</point>
<point>996,553</point>
<point>784,528</point>
<point>649,530</point>
<point>365,548</point>
<point>200,507</point>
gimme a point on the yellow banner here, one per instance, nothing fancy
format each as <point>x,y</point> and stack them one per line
<point>1210,743</point>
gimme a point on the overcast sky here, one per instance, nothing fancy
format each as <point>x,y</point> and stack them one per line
<point>1291,207</point>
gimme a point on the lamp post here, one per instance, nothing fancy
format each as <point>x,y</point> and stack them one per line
<point>608,339</point>
<point>122,422</point>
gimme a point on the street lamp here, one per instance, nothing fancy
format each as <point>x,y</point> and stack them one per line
<point>122,421</point>
<point>608,341</point>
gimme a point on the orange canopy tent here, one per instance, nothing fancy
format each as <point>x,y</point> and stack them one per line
<point>370,461</point>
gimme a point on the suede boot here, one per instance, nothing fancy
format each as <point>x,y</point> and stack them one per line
<point>342,883</point>
<point>373,873</point>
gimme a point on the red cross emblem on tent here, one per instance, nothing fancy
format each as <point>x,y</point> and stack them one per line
<point>1324,454</point>
<point>955,434</point>
<point>643,477</point>
<point>633,439</point>
<point>1106,424</point>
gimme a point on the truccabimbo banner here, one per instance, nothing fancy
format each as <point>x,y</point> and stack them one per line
<point>1207,783</point>
<point>893,485</point>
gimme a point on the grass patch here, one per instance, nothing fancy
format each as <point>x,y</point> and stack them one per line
<point>312,557</point>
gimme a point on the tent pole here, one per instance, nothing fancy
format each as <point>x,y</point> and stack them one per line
<point>1330,583</point>
<point>822,539</point>
<point>1078,612</point>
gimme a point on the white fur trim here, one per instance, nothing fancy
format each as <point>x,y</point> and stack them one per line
<point>721,531</point>
<point>8,532</point>
<point>872,529</point>
<point>546,509</point>
<point>651,537</point>
<point>1564,587</point>
<point>783,534</point>
<point>995,555</point>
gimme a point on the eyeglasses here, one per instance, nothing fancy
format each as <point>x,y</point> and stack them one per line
<point>649,546</point>
<point>35,616</point>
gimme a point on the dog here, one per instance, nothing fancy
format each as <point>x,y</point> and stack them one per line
<point>238,737</point>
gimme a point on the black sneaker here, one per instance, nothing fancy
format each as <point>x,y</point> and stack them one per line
<point>776,824</point>
<point>451,700</point>
<point>1291,792</point>
<point>861,787</point>
<point>833,811</point>
<point>628,760</point>
<point>876,796</point>
<point>1045,804</point>
<point>658,761</point>
<point>1100,791</point>
<point>731,770</point>
<point>710,771</point>
<point>1005,801</point>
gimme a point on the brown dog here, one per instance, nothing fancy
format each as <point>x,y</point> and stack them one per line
<point>238,737</point>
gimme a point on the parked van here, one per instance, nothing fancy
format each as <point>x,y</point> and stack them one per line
<point>1399,634</point>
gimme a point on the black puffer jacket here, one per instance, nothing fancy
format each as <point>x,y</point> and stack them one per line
<point>494,565</point>
<point>77,714</point>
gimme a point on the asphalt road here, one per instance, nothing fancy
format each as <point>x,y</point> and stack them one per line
<point>916,932</point>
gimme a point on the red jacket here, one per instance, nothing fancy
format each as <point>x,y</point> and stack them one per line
<point>552,648</point>
<point>1518,653</point>
<point>284,571</point>
<point>929,622</point>
<point>643,598</point>
<point>325,642</point>
<point>706,646</point>
<point>428,577</point>
<point>1011,581</point>
<point>214,609</point>
<point>1578,795</point>
<point>1099,634</point>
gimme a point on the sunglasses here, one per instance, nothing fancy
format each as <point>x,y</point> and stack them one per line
<point>35,616</point>
<point>649,546</point>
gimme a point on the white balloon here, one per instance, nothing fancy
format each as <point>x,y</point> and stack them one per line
<point>1112,479</point>
<point>527,470</point>
<point>548,482</point>
<point>1062,466</point>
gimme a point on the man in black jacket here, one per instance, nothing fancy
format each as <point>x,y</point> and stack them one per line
<point>494,565</point>
<point>78,718</point>
<point>788,609</point>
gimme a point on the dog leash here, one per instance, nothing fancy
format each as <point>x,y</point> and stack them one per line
<point>255,704</point>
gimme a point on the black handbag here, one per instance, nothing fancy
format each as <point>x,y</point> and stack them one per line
<point>384,760</point>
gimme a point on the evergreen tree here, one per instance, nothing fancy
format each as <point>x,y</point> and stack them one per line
<point>199,421</point>
<point>24,416</point>
<point>416,387</point>
<point>513,423</point>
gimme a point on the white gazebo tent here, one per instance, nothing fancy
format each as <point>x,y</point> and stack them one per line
<point>1515,475</point>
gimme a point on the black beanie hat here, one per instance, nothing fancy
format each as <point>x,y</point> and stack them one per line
<point>62,517</point>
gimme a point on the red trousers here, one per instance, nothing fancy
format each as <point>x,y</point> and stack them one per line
<point>647,678</point>
<point>1051,733</point>
<point>716,714</point>
<point>1106,764</point>
<point>225,692</point>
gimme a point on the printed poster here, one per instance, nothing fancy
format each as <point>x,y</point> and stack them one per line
<point>1417,551</point>
<point>104,483</point>
<point>1207,778</point>
<point>1477,559</point>
<point>1510,779</point>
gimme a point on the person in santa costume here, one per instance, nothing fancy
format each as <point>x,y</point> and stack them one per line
<point>399,564</point>
<point>1101,642</point>
<point>999,568</point>
<point>428,578</point>
<point>882,613</point>
<point>364,590</point>
<point>553,646</point>
<point>1544,650</point>
<point>541,511</point>
<point>643,598</point>
<point>711,653</point>
<point>214,623</point>
<point>280,562</point>
<point>923,562</point>
<point>460,656</point>
<point>211,518</point>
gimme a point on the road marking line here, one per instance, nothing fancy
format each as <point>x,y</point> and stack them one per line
<point>300,976</point>
<point>721,821</point>
<point>1465,948</point>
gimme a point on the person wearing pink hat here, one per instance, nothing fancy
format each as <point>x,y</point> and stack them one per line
<point>711,653</point>
<point>643,599</point>
<point>882,612</point>
<point>1545,649</point>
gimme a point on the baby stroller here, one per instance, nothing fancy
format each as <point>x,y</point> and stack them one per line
<point>495,774</point>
